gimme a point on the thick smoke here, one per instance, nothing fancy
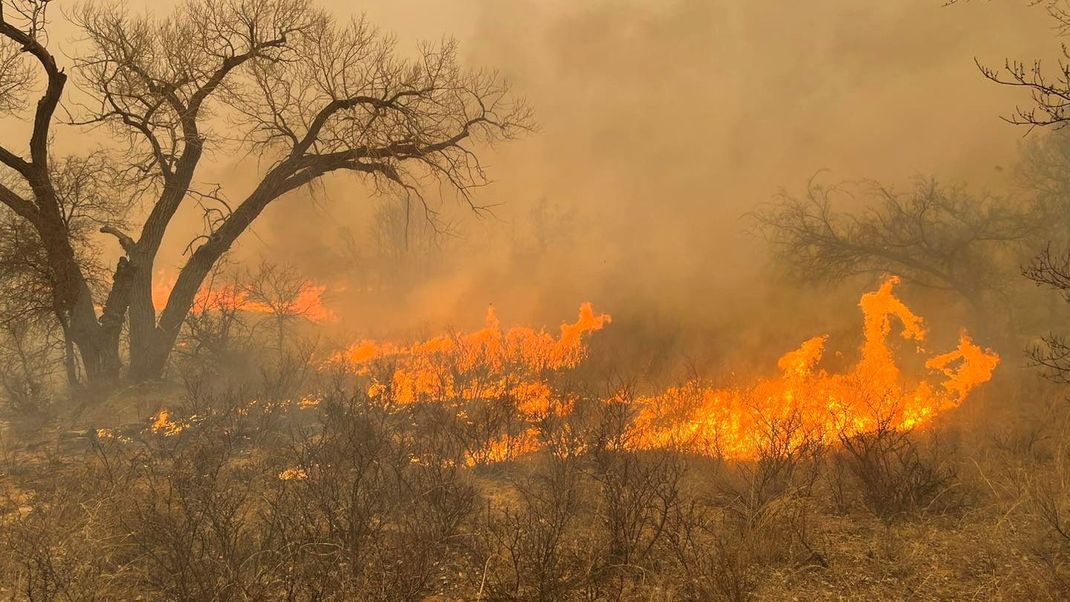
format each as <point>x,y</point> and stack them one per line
<point>662,123</point>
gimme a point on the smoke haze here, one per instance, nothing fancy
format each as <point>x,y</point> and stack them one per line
<point>660,125</point>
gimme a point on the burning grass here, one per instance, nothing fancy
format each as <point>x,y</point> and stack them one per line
<point>462,468</point>
<point>519,364</point>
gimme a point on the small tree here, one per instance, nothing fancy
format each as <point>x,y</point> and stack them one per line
<point>283,295</point>
<point>933,236</point>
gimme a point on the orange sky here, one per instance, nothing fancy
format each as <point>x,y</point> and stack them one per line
<point>661,122</point>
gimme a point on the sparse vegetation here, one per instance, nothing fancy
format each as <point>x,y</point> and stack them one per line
<point>356,497</point>
<point>221,433</point>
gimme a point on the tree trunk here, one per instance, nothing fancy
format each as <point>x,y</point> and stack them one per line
<point>150,349</point>
<point>152,356</point>
<point>70,358</point>
<point>72,298</point>
<point>145,363</point>
<point>99,353</point>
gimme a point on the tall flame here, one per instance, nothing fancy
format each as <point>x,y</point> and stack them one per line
<point>803,401</point>
<point>735,422</point>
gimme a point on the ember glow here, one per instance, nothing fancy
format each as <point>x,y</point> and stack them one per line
<point>308,302</point>
<point>804,400</point>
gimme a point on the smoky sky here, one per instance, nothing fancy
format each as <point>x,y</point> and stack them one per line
<point>661,123</point>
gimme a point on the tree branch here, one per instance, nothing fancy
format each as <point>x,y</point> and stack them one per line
<point>125,241</point>
<point>49,100</point>
<point>19,205</point>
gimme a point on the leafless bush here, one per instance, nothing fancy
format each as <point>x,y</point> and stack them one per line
<point>216,326</point>
<point>787,466</point>
<point>640,498</point>
<point>895,475</point>
<point>1049,500</point>
<point>369,512</point>
<point>28,359</point>
<point>486,420</point>
<point>530,546</point>
<point>714,561</point>
<point>55,544</point>
<point>1044,494</point>
<point>189,508</point>
<point>291,373</point>
<point>767,503</point>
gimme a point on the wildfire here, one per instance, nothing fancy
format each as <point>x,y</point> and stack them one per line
<point>487,363</point>
<point>308,301</point>
<point>162,423</point>
<point>516,366</point>
<point>806,402</point>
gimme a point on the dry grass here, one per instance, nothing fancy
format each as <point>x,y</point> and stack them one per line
<point>361,499</point>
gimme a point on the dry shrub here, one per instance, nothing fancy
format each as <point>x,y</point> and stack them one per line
<point>28,366</point>
<point>530,544</point>
<point>767,502</point>
<point>1046,486</point>
<point>895,475</point>
<point>787,465</point>
<point>640,494</point>
<point>712,560</point>
<point>1049,507</point>
<point>185,511</point>
<point>758,515</point>
<point>54,544</point>
<point>372,510</point>
<point>363,508</point>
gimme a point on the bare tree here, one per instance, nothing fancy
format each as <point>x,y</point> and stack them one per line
<point>933,236</point>
<point>404,250</point>
<point>90,197</point>
<point>308,95</point>
<point>1052,270</point>
<point>283,295</point>
<point>1050,108</point>
<point>1050,90</point>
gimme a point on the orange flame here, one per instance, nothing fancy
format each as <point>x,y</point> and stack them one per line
<point>735,422</point>
<point>308,303</point>
<point>487,363</point>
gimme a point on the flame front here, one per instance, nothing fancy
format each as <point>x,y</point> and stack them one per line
<point>804,401</point>
<point>812,403</point>
<point>487,363</point>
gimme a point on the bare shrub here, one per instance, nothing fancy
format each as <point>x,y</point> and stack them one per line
<point>787,465</point>
<point>215,328</point>
<point>640,498</point>
<point>28,360</point>
<point>766,502</point>
<point>291,373</point>
<point>368,511</point>
<point>529,546</point>
<point>1046,503</point>
<point>714,562</point>
<point>54,542</point>
<point>189,509</point>
<point>1049,507</point>
<point>486,420</point>
<point>895,475</point>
